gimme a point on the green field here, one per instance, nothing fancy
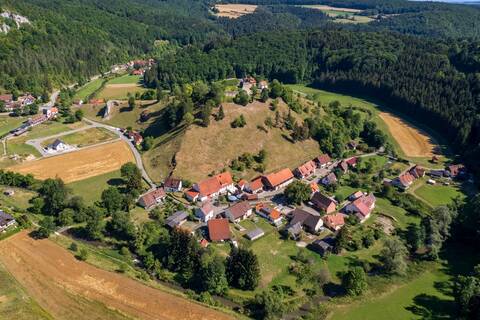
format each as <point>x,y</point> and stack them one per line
<point>86,137</point>
<point>91,189</point>
<point>89,88</point>
<point>8,123</point>
<point>126,79</point>
<point>19,201</point>
<point>325,97</point>
<point>15,303</point>
<point>438,195</point>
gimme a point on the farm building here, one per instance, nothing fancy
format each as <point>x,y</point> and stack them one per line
<point>176,219</point>
<point>278,180</point>
<point>218,230</point>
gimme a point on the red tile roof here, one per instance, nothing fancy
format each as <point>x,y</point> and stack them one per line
<point>151,197</point>
<point>277,178</point>
<point>365,204</point>
<point>172,183</point>
<point>307,168</point>
<point>218,229</point>
<point>314,187</point>
<point>352,161</point>
<point>256,184</point>
<point>214,184</point>
<point>334,220</point>
<point>406,179</point>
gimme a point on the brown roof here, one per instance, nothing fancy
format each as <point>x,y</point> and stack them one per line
<point>323,159</point>
<point>218,229</point>
<point>277,178</point>
<point>365,204</point>
<point>6,97</point>
<point>334,220</point>
<point>151,197</point>
<point>406,179</point>
<point>417,171</point>
<point>352,161</point>
<point>172,183</point>
<point>304,218</point>
<point>239,209</point>
<point>321,201</point>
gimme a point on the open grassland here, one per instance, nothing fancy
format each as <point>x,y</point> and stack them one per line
<point>70,289</point>
<point>91,189</point>
<point>19,201</point>
<point>8,123</point>
<point>86,137</point>
<point>342,15</point>
<point>84,92</point>
<point>126,79</point>
<point>438,195</point>
<point>206,150</point>
<point>120,91</point>
<point>15,303</point>
<point>439,145</point>
<point>80,165</point>
<point>234,11</point>
<point>413,141</point>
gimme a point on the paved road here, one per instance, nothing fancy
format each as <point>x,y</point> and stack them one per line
<point>138,157</point>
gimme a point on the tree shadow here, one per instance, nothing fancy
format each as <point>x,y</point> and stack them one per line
<point>115,182</point>
<point>333,290</point>
<point>431,307</point>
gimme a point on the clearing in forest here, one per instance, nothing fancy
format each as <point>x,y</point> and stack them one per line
<point>79,165</point>
<point>69,289</point>
<point>413,141</point>
<point>234,11</point>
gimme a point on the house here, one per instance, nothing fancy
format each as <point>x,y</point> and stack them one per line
<point>417,172</point>
<point>6,98</point>
<point>437,173</point>
<point>362,207</point>
<point>205,212</point>
<point>354,196</point>
<point>263,85</point>
<point>172,185</point>
<point>135,137</point>
<point>323,161</point>
<point>255,234</point>
<point>26,100</point>
<point>216,185</point>
<point>191,195</point>
<point>176,219</point>
<point>322,246</point>
<point>256,186</point>
<point>352,162</point>
<point>152,198</point>
<point>6,221</point>
<point>306,220</point>
<point>241,184</point>
<point>58,146</point>
<point>269,213</point>
<point>455,170</point>
<point>331,178</point>
<point>239,211</point>
<point>137,73</point>
<point>278,180</point>
<point>343,166</point>
<point>403,181</point>
<point>352,145</point>
<point>334,221</point>
<point>324,203</point>
<point>218,230</point>
<point>50,113</point>
<point>37,119</point>
<point>96,101</point>
<point>249,197</point>
<point>305,170</point>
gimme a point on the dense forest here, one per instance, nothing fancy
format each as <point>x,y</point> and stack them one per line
<point>433,81</point>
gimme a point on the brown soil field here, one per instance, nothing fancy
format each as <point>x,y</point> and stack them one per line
<point>234,11</point>
<point>206,150</point>
<point>69,289</point>
<point>80,165</point>
<point>413,141</point>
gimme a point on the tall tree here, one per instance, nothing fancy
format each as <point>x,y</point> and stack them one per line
<point>243,270</point>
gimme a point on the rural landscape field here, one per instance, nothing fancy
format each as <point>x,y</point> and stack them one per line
<point>264,159</point>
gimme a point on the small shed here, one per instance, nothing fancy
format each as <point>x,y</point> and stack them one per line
<point>322,246</point>
<point>255,234</point>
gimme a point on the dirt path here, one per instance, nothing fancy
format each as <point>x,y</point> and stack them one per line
<point>413,141</point>
<point>69,289</point>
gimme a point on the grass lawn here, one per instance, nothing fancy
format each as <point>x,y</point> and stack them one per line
<point>86,137</point>
<point>126,79</point>
<point>88,89</point>
<point>8,123</point>
<point>438,195</point>
<point>343,192</point>
<point>19,201</point>
<point>119,91</point>
<point>409,301</point>
<point>91,189</point>
<point>15,303</point>
<point>402,218</point>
